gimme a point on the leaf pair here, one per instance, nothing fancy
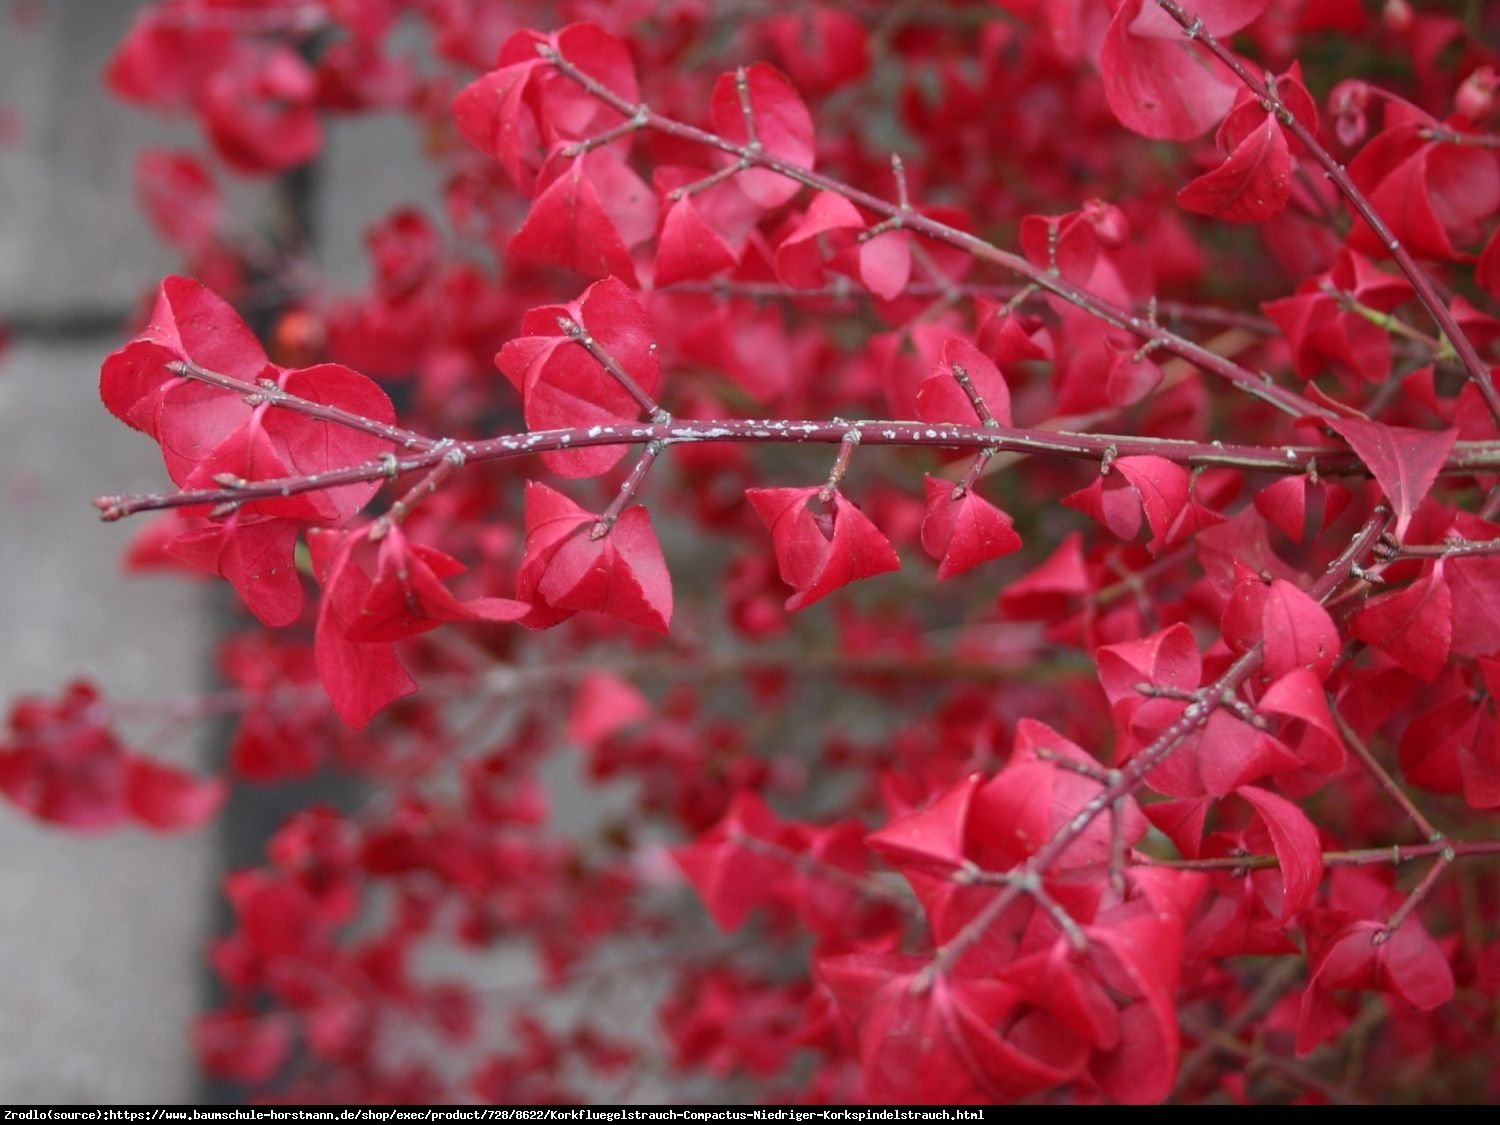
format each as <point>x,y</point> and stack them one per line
<point>206,432</point>
<point>362,616</point>
<point>820,545</point>
<point>833,235</point>
<point>1254,183</point>
<point>1145,491</point>
<point>560,367</point>
<point>570,565</point>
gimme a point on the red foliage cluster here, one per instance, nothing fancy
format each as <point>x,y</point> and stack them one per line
<point>1116,802</point>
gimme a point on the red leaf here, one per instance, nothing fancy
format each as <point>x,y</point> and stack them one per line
<point>569,109</point>
<point>1252,185</point>
<point>257,555</point>
<point>1323,334</point>
<point>1147,950</point>
<point>963,533</point>
<point>818,552</point>
<point>261,112</point>
<point>1068,243</point>
<point>1031,800</point>
<point>1299,695</point>
<point>1480,765</point>
<point>311,446</point>
<point>1221,18</point>
<point>1181,821</point>
<point>1405,461</point>
<point>1152,486</point>
<point>248,1047</point>
<point>563,385</point>
<point>61,766</point>
<point>1487,269</point>
<point>733,877</point>
<point>551,518</point>
<point>885,264</point>
<point>1362,957</point>
<point>407,597</point>
<point>689,248</point>
<point>823,47</point>
<point>1052,979</point>
<point>1165,492</point>
<point>179,195</point>
<point>1249,114</point>
<point>782,125</point>
<point>163,63</point>
<point>569,227</point>
<point>1428,192</point>
<point>933,836</point>
<point>1298,632</point>
<point>490,112</point>
<point>516,111</point>
<point>1046,591</point>
<point>1166,659</point>
<point>1157,82</point>
<point>1475,587</point>
<point>1435,742</point>
<point>205,431</point>
<point>941,398</point>
<point>1299,852</point>
<point>621,574</point>
<point>1414,626</point>
<point>361,679</point>
<point>168,799</point>
<point>1232,753</point>
<point>189,322</point>
<point>936,1039</point>
<point>604,705</point>
<point>827,231</point>
<point>1298,505</point>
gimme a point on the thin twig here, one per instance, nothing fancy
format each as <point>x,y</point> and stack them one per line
<point>1466,457</point>
<point>1389,784</point>
<point>267,391</point>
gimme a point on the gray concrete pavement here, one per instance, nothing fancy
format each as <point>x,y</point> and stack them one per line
<point>100,938</point>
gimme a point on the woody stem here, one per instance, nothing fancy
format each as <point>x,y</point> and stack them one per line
<point>1466,457</point>
<point>267,391</point>
<point>585,339</point>
<point>452,461</point>
<point>627,490</point>
<point>847,446</point>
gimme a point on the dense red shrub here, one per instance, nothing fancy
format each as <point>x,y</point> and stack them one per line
<point>1159,362</point>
